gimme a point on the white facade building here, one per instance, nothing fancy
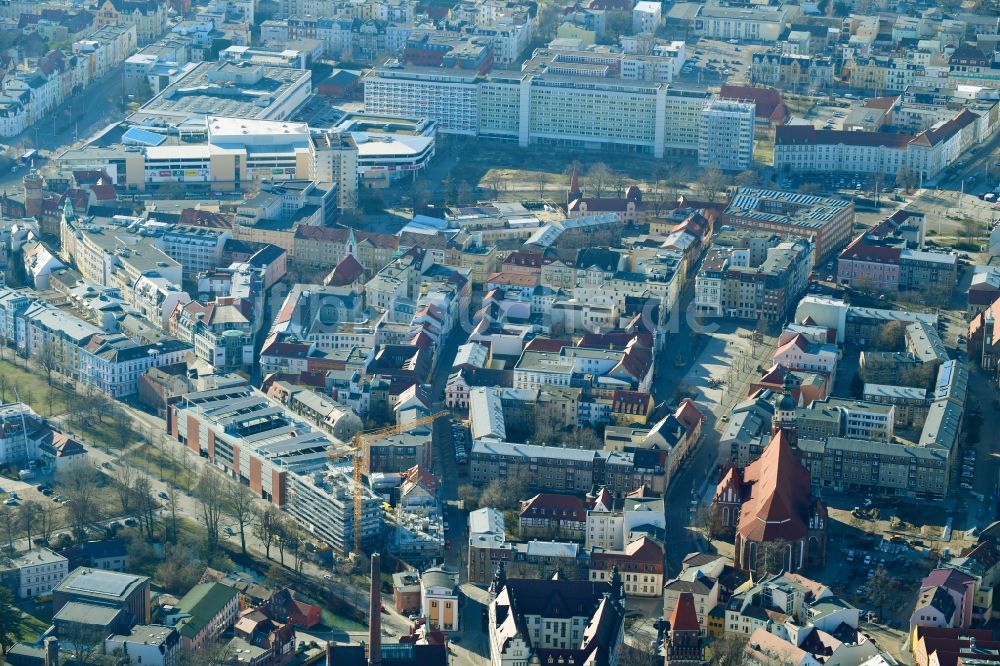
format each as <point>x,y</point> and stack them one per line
<point>38,571</point>
<point>725,135</point>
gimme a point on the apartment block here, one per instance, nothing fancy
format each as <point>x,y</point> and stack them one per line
<point>826,221</point>
<point>725,135</point>
<point>576,99</point>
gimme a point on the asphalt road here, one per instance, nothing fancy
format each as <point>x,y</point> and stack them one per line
<point>68,125</point>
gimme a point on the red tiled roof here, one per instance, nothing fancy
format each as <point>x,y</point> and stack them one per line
<point>688,414</point>
<point>642,551</point>
<point>768,101</point>
<point>595,205</point>
<point>346,272</point>
<point>552,505</point>
<point>684,617</point>
<point>859,250</point>
<point>522,258</point>
<point>547,345</point>
<point>512,279</point>
<point>780,495</point>
<point>798,340</point>
<point>629,402</point>
<point>884,103</point>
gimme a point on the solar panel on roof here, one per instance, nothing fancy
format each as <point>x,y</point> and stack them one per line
<point>135,136</point>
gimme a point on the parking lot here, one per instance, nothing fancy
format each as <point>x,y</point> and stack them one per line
<point>717,62</point>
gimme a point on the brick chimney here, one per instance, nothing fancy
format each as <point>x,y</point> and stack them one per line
<point>375,614</point>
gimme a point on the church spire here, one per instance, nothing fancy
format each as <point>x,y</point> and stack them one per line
<point>574,185</point>
<point>785,405</point>
<point>352,243</point>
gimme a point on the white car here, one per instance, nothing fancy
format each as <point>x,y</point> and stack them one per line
<point>966,486</point>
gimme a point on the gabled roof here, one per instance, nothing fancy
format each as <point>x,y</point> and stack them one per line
<point>768,101</point>
<point>684,617</point>
<point>203,602</point>
<point>555,506</point>
<point>780,495</point>
<point>346,272</point>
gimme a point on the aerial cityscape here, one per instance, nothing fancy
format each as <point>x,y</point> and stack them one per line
<point>499,333</point>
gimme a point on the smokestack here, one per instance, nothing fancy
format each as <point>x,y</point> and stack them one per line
<point>375,614</point>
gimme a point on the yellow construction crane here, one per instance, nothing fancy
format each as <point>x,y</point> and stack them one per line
<point>357,451</point>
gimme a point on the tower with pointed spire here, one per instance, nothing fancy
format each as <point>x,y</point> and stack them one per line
<point>685,643</point>
<point>784,418</point>
<point>351,249</point>
<point>574,185</point>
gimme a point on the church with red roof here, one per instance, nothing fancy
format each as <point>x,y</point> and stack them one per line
<point>769,506</point>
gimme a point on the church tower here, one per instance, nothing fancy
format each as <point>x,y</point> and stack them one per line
<point>33,194</point>
<point>784,419</point>
<point>685,644</point>
<point>574,186</point>
<point>352,244</point>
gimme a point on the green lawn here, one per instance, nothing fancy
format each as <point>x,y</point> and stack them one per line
<point>159,463</point>
<point>34,628</point>
<point>46,400</point>
<point>32,388</point>
<point>335,621</point>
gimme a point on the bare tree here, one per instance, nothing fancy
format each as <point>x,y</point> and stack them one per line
<point>145,505</point>
<point>46,357</point>
<point>619,183</point>
<point>748,178</point>
<point>46,520</point>
<point>266,527</point>
<point>28,515</point>
<point>549,16</point>
<point>211,501</point>
<point>8,523</point>
<point>906,178</point>
<point>81,491</point>
<point>711,184</point>
<point>240,507</point>
<point>729,650</point>
<point>879,588</point>
<point>124,482</point>
<point>283,536</point>
<point>599,178</point>
<point>173,502</point>
<point>469,495</point>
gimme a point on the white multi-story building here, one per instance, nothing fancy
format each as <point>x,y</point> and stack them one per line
<point>578,99</point>
<point>646,16</point>
<point>38,571</point>
<point>758,23</point>
<point>725,135</point>
<point>535,369</point>
<point>802,148</point>
<point>20,433</point>
<point>323,504</point>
